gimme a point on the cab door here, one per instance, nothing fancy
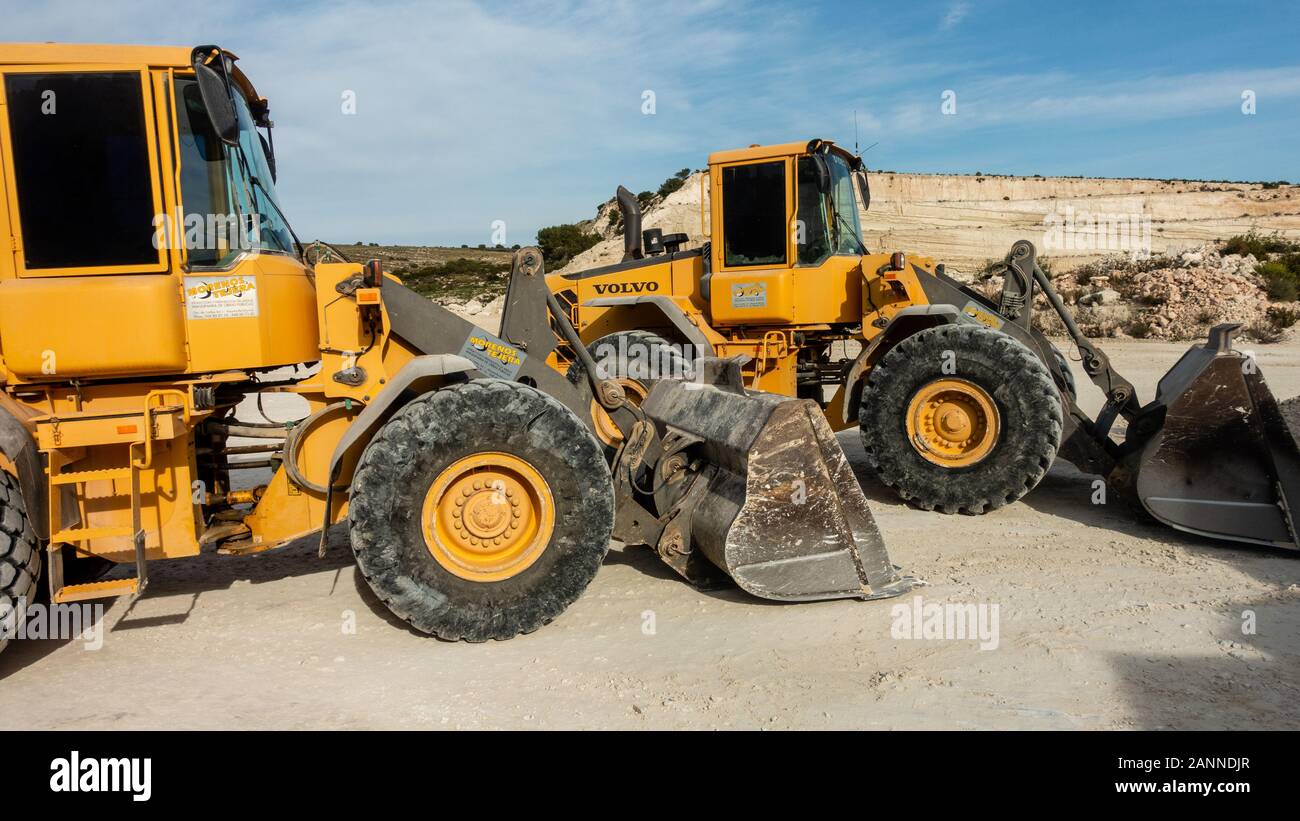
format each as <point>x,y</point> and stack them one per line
<point>755,249</point>
<point>88,293</point>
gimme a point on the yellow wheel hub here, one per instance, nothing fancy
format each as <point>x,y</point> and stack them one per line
<point>953,422</point>
<point>606,430</point>
<point>488,517</point>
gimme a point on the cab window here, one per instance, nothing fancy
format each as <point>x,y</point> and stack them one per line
<point>81,168</point>
<point>753,214</point>
<point>205,182</point>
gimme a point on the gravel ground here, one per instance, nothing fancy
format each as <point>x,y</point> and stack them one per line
<point>1104,622</point>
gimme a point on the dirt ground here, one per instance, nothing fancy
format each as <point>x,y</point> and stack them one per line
<point>1104,623</point>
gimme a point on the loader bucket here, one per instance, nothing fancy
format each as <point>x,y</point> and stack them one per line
<point>783,514</point>
<point>1224,463</point>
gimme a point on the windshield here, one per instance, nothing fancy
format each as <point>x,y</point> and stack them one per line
<point>846,231</point>
<point>227,195</point>
<point>828,221</point>
<point>274,232</point>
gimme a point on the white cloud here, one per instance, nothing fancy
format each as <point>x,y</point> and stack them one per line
<point>1111,99</point>
<point>956,13</point>
<point>466,112</point>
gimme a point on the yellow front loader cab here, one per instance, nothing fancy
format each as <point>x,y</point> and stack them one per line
<point>153,294</point>
<point>961,403</point>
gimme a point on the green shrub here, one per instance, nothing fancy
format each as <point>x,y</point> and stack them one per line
<point>1280,283</point>
<point>1292,262</point>
<point>645,198</point>
<point>1282,316</point>
<point>1259,245</point>
<point>674,182</point>
<point>1139,329</point>
<point>561,243</point>
<point>460,278</point>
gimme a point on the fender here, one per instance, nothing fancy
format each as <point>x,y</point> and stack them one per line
<point>421,374</point>
<point>674,314</point>
<point>905,323</point>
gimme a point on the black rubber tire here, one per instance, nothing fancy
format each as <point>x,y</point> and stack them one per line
<point>20,554</point>
<point>1064,364</point>
<point>610,352</point>
<point>1022,388</point>
<point>399,466</point>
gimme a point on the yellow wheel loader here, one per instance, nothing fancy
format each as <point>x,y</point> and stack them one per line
<point>961,403</point>
<point>153,295</point>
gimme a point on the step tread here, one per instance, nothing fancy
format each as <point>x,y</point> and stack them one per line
<point>97,590</point>
<point>85,534</point>
<point>71,477</point>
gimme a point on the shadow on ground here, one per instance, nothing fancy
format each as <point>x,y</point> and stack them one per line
<point>1252,681</point>
<point>190,578</point>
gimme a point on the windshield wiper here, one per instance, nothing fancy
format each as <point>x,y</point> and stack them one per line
<point>269,198</point>
<point>841,221</point>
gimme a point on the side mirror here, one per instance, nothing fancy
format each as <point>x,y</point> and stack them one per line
<point>864,189</point>
<point>216,99</point>
<point>823,173</point>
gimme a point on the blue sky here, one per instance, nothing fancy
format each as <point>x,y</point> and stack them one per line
<point>531,112</point>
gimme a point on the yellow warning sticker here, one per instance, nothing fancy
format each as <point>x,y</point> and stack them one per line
<point>983,315</point>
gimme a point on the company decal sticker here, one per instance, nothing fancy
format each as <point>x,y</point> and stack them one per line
<point>982,315</point>
<point>220,297</point>
<point>749,295</point>
<point>492,356</point>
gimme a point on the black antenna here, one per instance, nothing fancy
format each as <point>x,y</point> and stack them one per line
<point>855,131</point>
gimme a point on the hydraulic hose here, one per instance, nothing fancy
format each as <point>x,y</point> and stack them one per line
<point>294,438</point>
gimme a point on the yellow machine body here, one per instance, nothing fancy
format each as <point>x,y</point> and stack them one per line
<point>778,313</point>
<point>111,369</point>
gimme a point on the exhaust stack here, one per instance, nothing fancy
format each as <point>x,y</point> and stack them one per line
<point>630,208</point>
